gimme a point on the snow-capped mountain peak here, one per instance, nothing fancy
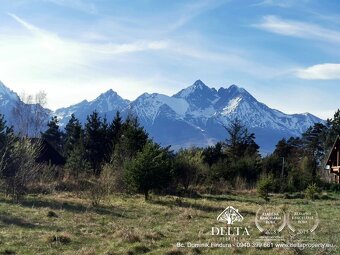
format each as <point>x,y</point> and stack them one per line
<point>197,87</point>
<point>7,94</point>
<point>198,95</point>
<point>107,104</point>
<point>110,92</point>
<point>234,88</point>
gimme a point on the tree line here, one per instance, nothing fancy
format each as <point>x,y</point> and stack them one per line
<point>119,156</point>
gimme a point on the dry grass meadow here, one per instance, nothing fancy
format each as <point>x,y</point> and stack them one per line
<point>125,224</point>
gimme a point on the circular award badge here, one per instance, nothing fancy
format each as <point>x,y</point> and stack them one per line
<point>270,220</point>
<point>302,221</point>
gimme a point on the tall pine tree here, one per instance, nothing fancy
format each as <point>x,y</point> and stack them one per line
<point>53,135</point>
<point>133,137</point>
<point>73,134</point>
<point>115,130</point>
<point>94,141</point>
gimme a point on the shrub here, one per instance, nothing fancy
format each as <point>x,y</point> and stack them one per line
<point>95,191</point>
<point>174,252</point>
<point>334,187</point>
<point>112,178</point>
<point>139,249</point>
<point>18,167</point>
<point>52,214</point>
<point>312,191</point>
<point>8,252</point>
<point>264,186</point>
<point>188,168</point>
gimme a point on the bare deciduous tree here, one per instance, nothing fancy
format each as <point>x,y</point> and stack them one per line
<point>29,115</point>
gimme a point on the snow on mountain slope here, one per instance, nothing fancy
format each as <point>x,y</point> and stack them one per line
<point>232,106</point>
<point>256,114</point>
<point>106,104</point>
<point>147,106</point>
<point>194,116</point>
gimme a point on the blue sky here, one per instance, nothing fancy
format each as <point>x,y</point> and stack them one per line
<point>285,53</point>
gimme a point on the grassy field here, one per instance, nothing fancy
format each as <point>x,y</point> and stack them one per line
<point>125,224</point>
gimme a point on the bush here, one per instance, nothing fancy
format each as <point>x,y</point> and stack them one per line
<point>52,214</point>
<point>112,178</point>
<point>8,252</point>
<point>264,186</point>
<point>18,167</point>
<point>334,187</point>
<point>312,191</point>
<point>188,168</point>
<point>139,249</point>
<point>95,191</point>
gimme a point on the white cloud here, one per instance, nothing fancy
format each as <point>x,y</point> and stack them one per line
<point>27,25</point>
<point>192,10</point>
<point>326,71</point>
<point>80,5</point>
<point>286,27</point>
<point>279,3</point>
<point>41,60</point>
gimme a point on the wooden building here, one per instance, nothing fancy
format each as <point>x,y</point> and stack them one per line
<point>333,161</point>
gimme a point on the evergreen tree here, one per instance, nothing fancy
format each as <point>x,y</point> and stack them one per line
<point>94,142</point>
<point>115,130</point>
<point>133,137</point>
<point>213,154</point>
<point>73,133</point>
<point>107,147</point>
<point>149,170</point>
<point>76,162</point>
<point>53,135</point>
<point>6,142</point>
<point>242,151</point>
<point>240,142</point>
<point>282,148</point>
<point>5,131</point>
<point>333,126</point>
<point>314,144</point>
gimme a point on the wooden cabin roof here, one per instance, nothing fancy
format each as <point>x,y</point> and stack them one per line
<point>332,157</point>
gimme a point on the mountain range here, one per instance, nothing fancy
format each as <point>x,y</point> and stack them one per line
<point>195,116</point>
